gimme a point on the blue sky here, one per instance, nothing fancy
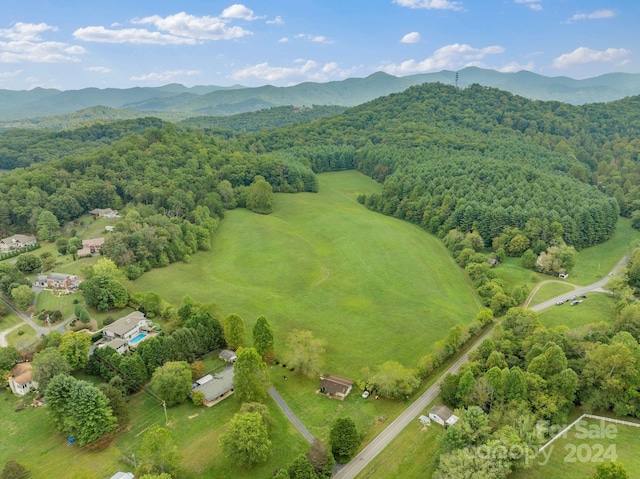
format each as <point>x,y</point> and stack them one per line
<point>71,44</point>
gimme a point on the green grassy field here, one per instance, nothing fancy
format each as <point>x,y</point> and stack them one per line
<point>64,303</point>
<point>513,275</point>
<point>595,263</point>
<point>574,457</point>
<point>324,262</point>
<point>550,290</point>
<point>595,308</point>
<point>29,437</point>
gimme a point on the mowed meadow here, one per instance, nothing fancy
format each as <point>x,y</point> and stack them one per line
<point>374,287</point>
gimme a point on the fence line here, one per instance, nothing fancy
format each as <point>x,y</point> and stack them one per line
<point>588,416</point>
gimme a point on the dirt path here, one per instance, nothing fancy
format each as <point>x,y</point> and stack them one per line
<point>5,333</point>
<point>542,283</point>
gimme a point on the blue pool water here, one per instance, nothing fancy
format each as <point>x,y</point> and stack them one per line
<point>137,339</point>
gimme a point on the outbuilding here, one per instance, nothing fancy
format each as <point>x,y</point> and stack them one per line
<point>443,415</point>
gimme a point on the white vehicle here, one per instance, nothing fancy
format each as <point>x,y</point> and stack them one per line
<point>365,394</point>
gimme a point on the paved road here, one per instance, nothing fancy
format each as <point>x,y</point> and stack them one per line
<point>40,330</point>
<point>409,415</point>
<point>289,413</point>
<point>5,333</point>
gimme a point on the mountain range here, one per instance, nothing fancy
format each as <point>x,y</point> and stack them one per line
<point>176,101</point>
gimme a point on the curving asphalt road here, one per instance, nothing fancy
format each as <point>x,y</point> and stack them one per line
<point>362,459</point>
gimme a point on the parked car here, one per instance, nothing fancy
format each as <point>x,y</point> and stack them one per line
<point>561,301</point>
<point>573,303</point>
<point>365,394</point>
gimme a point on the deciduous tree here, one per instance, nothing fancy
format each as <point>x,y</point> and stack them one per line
<point>251,379</point>
<point>74,346</point>
<point>158,453</point>
<point>304,352</point>
<point>234,331</point>
<point>172,382</point>
<point>22,296</point>
<point>246,441</point>
<point>260,196</point>
<point>46,364</point>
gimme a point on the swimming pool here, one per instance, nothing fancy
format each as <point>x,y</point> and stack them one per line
<point>137,338</point>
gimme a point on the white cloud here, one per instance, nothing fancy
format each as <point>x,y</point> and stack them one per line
<point>314,38</point>
<point>99,69</point>
<point>238,11</point>
<point>43,52</point>
<point>307,70</point>
<point>447,57</point>
<point>129,35</point>
<point>28,32</point>
<point>514,67</point>
<point>189,26</point>
<point>532,4</point>
<point>413,37</point>
<point>25,44</point>
<point>178,29</point>
<point>431,4</point>
<point>163,77</point>
<point>12,74</point>
<point>597,15</point>
<point>583,55</point>
<point>276,21</point>
<point>283,40</point>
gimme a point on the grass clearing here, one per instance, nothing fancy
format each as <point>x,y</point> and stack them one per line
<point>412,454</point>
<point>325,263</point>
<point>595,308</point>
<point>574,457</point>
<point>64,303</point>
<point>550,290</point>
<point>29,435</point>
<point>513,275</point>
<point>594,263</point>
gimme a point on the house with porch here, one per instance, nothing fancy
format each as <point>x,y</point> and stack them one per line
<point>442,415</point>
<point>215,387</point>
<point>103,213</point>
<point>16,242</point>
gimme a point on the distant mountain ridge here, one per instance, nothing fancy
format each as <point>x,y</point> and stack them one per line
<point>214,100</point>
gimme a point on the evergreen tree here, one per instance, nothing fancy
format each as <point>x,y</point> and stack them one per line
<point>344,439</point>
<point>263,339</point>
<point>234,331</point>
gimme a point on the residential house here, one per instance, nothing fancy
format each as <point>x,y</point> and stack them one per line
<point>128,327</point>
<point>103,213</point>
<point>20,380</point>
<point>121,335</point>
<point>16,242</point>
<point>442,415</point>
<point>228,356</point>
<point>215,388</point>
<point>91,246</point>
<point>57,281</point>
<point>335,387</point>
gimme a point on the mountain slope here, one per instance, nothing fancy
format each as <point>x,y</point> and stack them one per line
<point>218,101</point>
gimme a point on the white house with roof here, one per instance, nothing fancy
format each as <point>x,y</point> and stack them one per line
<point>21,381</point>
<point>119,334</point>
<point>443,415</point>
<point>215,387</point>
<point>16,242</point>
<point>57,281</point>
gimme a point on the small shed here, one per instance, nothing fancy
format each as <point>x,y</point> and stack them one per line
<point>443,415</point>
<point>335,387</point>
<point>228,356</point>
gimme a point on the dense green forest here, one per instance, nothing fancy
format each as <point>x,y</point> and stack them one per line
<point>475,160</point>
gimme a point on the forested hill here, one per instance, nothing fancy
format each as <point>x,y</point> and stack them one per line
<point>177,101</point>
<point>477,158</point>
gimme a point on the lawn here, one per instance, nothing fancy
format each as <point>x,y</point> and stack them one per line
<point>595,263</point>
<point>550,290</point>
<point>411,454</point>
<point>29,437</point>
<point>595,308</point>
<point>325,263</point>
<point>63,303</point>
<point>513,275</point>
<point>573,457</point>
